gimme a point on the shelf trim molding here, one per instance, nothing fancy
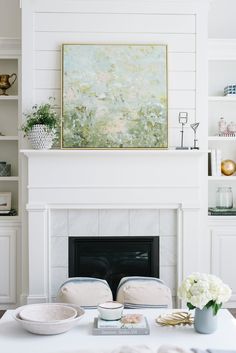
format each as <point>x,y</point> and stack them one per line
<point>222,49</point>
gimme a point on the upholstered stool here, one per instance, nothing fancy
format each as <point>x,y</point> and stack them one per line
<point>87,292</point>
<point>143,292</point>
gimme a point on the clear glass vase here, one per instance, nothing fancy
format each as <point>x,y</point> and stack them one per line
<point>224,197</point>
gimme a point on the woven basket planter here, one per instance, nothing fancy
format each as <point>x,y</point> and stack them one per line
<point>40,137</point>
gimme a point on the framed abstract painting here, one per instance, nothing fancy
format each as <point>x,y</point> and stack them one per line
<point>114,96</point>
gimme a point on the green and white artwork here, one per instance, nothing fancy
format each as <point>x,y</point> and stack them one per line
<point>114,96</point>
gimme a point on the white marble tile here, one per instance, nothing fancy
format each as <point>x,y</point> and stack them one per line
<point>59,222</point>
<point>168,274</point>
<point>144,222</point>
<point>59,251</point>
<point>168,251</point>
<point>58,276</point>
<point>114,222</point>
<point>83,222</point>
<point>168,222</point>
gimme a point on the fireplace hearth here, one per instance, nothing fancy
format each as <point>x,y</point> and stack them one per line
<point>115,257</point>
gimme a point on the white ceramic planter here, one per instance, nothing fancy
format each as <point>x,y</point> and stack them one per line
<point>40,137</point>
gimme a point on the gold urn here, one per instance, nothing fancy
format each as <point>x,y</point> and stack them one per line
<point>228,167</point>
<point>5,83</point>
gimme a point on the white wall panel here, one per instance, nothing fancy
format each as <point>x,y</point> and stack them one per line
<point>49,79</point>
<point>119,6</point>
<point>7,265</point>
<point>180,43</point>
<point>182,80</point>
<point>47,60</point>
<point>181,99</point>
<point>181,61</point>
<point>74,22</point>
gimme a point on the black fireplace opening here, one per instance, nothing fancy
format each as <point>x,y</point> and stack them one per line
<point>113,257</point>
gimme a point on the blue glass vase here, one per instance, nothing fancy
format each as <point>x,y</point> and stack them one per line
<point>205,321</point>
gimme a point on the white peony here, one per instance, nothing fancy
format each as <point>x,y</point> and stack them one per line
<point>200,289</point>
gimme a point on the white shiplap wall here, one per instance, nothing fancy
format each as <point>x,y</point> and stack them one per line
<point>48,24</point>
<point>181,24</point>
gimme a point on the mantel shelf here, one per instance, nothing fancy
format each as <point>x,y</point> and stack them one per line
<point>31,153</point>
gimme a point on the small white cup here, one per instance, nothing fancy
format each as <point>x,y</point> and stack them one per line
<point>110,310</point>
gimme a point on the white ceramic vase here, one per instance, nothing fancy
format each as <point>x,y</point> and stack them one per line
<point>205,321</point>
<point>40,137</point>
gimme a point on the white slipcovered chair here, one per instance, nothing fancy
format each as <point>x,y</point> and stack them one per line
<point>87,292</point>
<point>145,292</point>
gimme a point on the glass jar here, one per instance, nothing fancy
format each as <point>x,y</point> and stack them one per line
<point>224,197</point>
<point>222,126</point>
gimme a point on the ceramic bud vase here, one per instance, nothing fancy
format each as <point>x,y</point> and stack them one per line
<point>205,321</point>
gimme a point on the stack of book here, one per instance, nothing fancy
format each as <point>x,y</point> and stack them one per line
<point>214,211</point>
<point>118,327</point>
<point>11,212</point>
<point>214,162</point>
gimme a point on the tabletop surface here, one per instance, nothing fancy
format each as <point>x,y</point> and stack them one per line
<point>14,339</point>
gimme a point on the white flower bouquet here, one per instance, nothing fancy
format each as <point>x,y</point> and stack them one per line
<point>201,290</point>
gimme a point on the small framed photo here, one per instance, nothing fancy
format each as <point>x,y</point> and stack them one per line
<point>5,201</point>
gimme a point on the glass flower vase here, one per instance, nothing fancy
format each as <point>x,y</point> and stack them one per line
<point>205,321</point>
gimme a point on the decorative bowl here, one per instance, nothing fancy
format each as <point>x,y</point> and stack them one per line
<point>47,313</point>
<point>110,310</point>
<point>48,328</point>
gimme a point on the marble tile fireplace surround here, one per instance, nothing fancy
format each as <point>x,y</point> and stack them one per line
<point>99,193</point>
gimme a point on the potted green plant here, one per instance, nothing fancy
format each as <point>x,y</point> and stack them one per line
<point>40,125</point>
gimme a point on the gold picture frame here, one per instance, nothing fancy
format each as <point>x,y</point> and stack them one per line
<point>5,201</point>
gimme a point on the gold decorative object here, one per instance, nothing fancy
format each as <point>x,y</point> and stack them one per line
<point>5,83</point>
<point>228,167</point>
<point>175,319</point>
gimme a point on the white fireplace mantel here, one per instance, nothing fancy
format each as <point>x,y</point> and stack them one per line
<point>111,179</point>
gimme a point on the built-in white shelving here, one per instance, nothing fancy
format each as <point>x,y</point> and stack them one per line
<point>222,138</point>
<point>9,98</point>
<point>9,178</point>
<point>9,138</point>
<point>9,127</point>
<point>222,98</point>
<point>222,178</point>
<point>222,72</point>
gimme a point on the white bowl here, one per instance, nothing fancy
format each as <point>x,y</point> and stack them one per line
<point>110,310</point>
<point>47,312</point>
<point>49,328</point>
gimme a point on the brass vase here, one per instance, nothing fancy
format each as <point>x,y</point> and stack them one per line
<point>5,83</point>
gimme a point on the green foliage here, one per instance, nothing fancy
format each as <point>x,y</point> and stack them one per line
<point>211,304</point>
<point>43,114</point>
<point>190,306</point>
<point>144,127</point>
<point>215,307</point>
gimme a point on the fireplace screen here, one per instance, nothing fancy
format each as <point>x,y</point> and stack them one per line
<point>112,258</point>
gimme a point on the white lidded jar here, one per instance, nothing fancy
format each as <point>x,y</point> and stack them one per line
<point>224,197</point>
